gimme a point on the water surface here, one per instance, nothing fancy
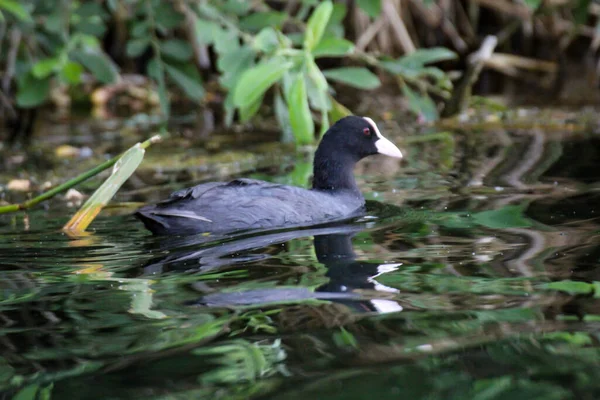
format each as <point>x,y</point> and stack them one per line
<point>475,281</point>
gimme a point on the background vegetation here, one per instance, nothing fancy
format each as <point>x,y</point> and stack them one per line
<point>287,58</point>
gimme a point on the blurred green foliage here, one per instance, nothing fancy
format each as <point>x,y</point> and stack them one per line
<point>259,53</point>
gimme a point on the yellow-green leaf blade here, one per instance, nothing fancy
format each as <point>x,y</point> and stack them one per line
<point>122,170</point>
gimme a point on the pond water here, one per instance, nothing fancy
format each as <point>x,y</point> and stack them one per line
<point>478,281</point>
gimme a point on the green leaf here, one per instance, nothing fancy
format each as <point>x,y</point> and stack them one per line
<point>13,7</point>
<point>333,47</point>
<point>136,47</point>
<point>166,16</point>
<point>571,287</point>
<point>335,25</point>
<point>71,73</point>
<point>357,77</point>
<point>249,111</point>
<point>417,60</point>
<point>189,81</point>
<point>31,91</point>
<point>256,21</point>
<point>28,392</point>
<point>506,217</point>
<point>371,7</point>
<point>207,31</point>
<point>266,41</point>
<point>420,104</point>
<point>140,29</point>
<point>233,64</point>
<point>176,49</point>
<point>255,81</point>
<point>316,25</point>
<point>533,4</point>
<point>99,64</point>
<point>338,110</point>
<point>300,118</point>
<point>45,67</point>
<point>122,170</point>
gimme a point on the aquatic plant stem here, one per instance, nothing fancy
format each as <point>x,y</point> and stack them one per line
<point>75,181</point>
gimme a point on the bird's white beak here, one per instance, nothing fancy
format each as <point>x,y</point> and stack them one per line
<point>383,145</point>
<point>388,148</point>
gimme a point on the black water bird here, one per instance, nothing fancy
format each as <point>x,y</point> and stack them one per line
<point>220,207</point>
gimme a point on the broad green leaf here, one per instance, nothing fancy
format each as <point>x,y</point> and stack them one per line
<point>99,64</point>
<point>316,25</point>
<point>256,21</point>
<point>189,80</point>
<point>71,73</point>
<point>31,91</point>
<point>176,49</point>
<point>122,170</point>
<point>420,104</point>
<point>335,26</point>
<point>95,28</point>
<point>45,67</point>
<point>28,392</point>
<point>371,7</point>
<point>266,41</point>
<point>15,8</point>
<point>338,110</point>
<point>506,217</point>
<point>139,29</point>
<point>207,31</point>
<point>428,56</point>
<point>136,47</point>
<point>166,16</point>
<point>233,64</point>
<point>357,77</point>
<point>413,63</point>
<point>249,111</point>
<point>300,117</point>
<point>333,47</point>
<point>257,80</point>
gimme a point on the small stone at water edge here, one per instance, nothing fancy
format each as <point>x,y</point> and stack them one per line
<point>19,185</point>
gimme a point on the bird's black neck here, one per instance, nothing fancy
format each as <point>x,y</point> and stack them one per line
<point>334,171</point>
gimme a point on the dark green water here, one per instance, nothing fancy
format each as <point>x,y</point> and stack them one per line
<point>444,291</point>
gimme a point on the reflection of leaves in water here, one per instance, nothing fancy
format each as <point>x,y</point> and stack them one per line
<point>241,361</point>
<point>506,217</point>
<point>407,280</point>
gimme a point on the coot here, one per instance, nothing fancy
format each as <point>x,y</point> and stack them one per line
<point>221,207</point>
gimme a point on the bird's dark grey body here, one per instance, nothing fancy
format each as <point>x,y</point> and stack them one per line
<point>263,205</point>
<point>220,207</point>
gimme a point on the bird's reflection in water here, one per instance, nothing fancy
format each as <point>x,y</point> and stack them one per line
<point>351,282</point>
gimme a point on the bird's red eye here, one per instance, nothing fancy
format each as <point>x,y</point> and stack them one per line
<point>367,131</point>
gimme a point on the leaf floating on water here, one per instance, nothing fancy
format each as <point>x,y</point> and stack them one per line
<point>122,170</point>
